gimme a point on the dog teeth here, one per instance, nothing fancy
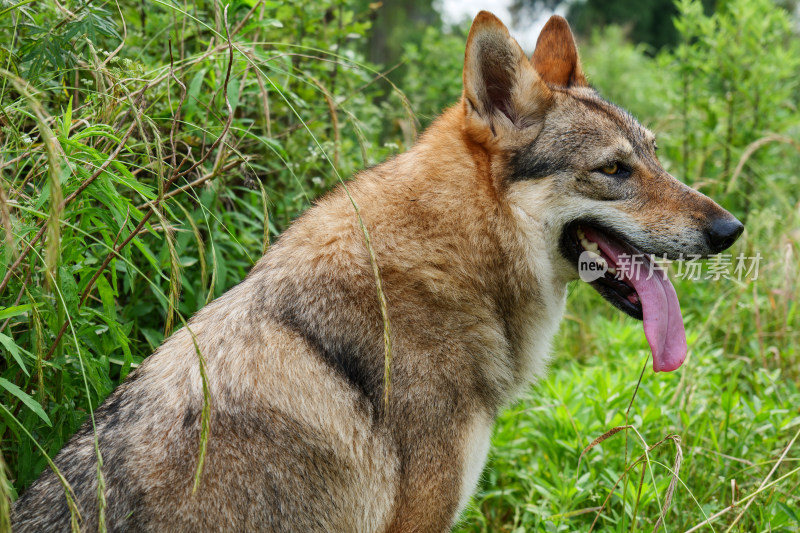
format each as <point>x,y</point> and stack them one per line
<point>580,234</point>
<point>597,258</point>
<point>589,245</point>
<point>612,270</point>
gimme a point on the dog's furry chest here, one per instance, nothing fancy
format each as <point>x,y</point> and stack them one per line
<point>533,356</point>
<point>543,320</point>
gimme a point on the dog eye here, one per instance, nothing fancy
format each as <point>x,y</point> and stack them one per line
<point>610,169</point>
<point>614,169</point>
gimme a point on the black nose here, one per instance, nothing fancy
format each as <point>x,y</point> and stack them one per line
<point>723,233</point>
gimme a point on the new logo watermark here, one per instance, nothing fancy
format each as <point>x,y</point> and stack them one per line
<point>591,266</point>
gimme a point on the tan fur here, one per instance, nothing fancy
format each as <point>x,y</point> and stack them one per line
<point>466,229</point>
<point>556,56</point>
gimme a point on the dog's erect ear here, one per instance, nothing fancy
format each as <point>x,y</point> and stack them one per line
<point>500,85</point>
<point>556,56</point>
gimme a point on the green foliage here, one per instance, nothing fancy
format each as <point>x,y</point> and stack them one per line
<point>51,47</point>
<point>737,91</point>
<point>397,23</point>
<point>626,75</point>
<point>433,91</point>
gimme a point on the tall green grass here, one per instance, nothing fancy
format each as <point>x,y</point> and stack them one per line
<point>146,161</point>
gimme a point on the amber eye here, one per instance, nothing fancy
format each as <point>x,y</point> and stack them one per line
<point>610,169</point>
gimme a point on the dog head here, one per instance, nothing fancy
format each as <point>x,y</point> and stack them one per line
<point>582,175</point>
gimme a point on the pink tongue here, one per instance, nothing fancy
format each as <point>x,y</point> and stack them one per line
<point>663,322</point>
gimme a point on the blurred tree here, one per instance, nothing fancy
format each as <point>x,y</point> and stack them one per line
<point>646,21</point>
<point>396,23</point>
<point>527,11</point>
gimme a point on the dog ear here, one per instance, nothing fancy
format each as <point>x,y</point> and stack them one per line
<point>556,56</point>
<point>500,84</point>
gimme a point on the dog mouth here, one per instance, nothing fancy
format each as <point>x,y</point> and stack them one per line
<point>633,282</point>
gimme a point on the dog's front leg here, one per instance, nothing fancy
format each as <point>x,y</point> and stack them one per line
<point>442,449</point>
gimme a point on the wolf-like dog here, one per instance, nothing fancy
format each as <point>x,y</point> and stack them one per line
<point>477,230</point>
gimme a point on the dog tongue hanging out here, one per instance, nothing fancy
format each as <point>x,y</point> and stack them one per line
<point>661,312</point>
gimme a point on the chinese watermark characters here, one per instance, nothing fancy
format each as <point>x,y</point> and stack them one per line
<point>739,267</point>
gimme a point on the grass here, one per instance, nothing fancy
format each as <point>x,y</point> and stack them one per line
<point>145,166</point>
